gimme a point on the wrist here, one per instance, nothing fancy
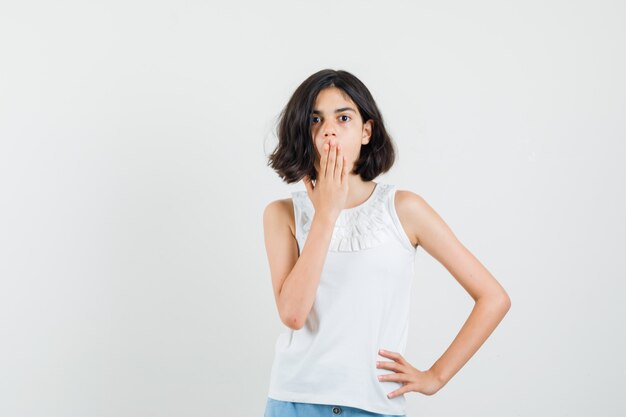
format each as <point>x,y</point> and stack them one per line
<point>437,376</point>
<point>326,218</point>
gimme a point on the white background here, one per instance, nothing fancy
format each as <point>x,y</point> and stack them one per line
<point>133,147</point>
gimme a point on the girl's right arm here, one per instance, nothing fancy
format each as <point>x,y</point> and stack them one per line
<point>295,279</point>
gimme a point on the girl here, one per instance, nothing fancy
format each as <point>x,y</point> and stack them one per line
<point>341,257</point>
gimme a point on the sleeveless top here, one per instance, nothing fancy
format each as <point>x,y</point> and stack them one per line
<point>362,305</point>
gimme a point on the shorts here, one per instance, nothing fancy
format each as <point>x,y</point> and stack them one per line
<point>277,408</point>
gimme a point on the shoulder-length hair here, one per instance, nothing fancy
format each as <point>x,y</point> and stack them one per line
<point>294,155</point>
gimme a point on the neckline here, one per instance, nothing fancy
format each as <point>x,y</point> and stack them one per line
<point>366,202</point>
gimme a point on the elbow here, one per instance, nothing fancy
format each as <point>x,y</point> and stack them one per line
<point>506,300</point>
<point>292,322</point>
<point>505,303</point>
<point>501,302</point>
<point>289,316</point>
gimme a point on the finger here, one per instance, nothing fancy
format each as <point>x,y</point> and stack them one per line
<point>393,366</point>
<point>395,377</point>
<point>393,355</point>
<point>331,160</point>
<point>344,171</point>
<point>399,391</point>
<point>323,158</point>
<point>338,164</point>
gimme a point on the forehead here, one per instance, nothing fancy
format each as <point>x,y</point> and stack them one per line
<point>332,96</point>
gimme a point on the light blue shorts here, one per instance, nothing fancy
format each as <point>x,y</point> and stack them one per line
<point>277,408</point>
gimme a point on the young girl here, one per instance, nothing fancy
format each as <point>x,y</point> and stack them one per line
<point>341,256</point>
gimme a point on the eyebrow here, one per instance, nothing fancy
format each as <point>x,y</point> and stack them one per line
<point>336,111</point>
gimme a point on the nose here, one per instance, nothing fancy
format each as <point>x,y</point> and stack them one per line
<point>328,130</point>
<point>329,135</point>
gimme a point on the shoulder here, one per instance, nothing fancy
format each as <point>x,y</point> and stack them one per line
<point>278,214</point>
<point>413,212</point>
<point>408,199</point>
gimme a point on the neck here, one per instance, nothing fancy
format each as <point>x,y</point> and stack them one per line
<point>359,190</point>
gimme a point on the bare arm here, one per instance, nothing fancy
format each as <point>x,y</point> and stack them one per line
<point>295,279</point>
<point>482,321</point>
<point>298,291</point>
<point>491,300</point>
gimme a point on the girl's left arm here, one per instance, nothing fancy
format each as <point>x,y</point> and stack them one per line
<point>491,300</point>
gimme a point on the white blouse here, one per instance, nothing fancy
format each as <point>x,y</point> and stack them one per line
<point>362,305</point>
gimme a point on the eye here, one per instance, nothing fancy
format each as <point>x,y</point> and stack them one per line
<point>314,118</point>
<point>345,115</point>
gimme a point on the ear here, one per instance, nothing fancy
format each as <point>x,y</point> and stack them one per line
<point>367,132</point>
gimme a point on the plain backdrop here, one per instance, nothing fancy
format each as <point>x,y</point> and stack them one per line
<point>134,138</point>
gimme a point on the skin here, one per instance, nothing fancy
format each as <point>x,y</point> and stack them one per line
<point>347,130</point>
<point>337,188</point>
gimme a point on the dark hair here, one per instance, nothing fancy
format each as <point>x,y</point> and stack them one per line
<point>294,156</point>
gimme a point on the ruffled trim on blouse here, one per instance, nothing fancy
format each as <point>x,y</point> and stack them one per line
<point>356,228</point>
